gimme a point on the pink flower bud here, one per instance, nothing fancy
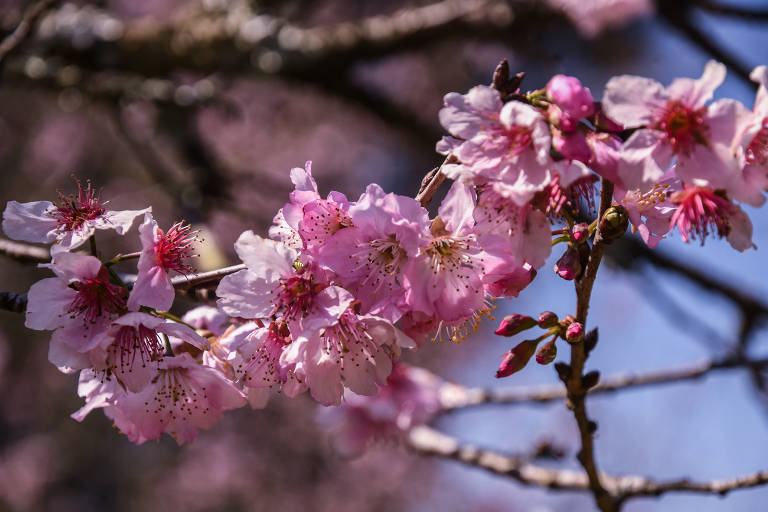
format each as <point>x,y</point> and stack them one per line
<point>548,319</point>
<point>515,324</point>
<point>516,359</point>
<point>580,233</point>
<point>574,333</point>
<point>573,99</point>
<point>547,353</point>
<point>569,265</point>
<point>572,146</point>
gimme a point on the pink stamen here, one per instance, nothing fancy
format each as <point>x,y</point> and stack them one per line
<point>757,151</point>
<point>683,126</point>
<point>97,297</point>
<point>72,211</point>
<point>174,246</point>
<point>701,211</point>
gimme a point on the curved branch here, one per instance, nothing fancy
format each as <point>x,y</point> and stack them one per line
<point>24,252</point>
<point>455,397</point>
<point>22,30</point>
<point>736,11</point>
<point>429,442</point>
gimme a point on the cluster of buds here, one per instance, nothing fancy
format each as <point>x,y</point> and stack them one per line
<point>516,359</point>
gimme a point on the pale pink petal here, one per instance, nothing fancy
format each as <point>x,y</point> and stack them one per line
<point>696,93</point>
<point>184,333</point>
<point>65,358</point>
<point>121,221</point>
<point>266,259</point>
<point>631,100</point>
<point>47,303</point>
<point>30,222</point>
<point>645,157</point>
<point>246,295</point>
<point>152,289</point>
<point>740,231</point>
<point>457,207</point>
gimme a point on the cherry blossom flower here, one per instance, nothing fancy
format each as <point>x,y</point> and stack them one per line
<point>184,396</point>
<point>410,397</point>
<point>276,283</point>
<point>446,279</point>
<point>675,122</point>
<point>161,253</point>
<point>206,318</point>
<point>356,352</point>
<point>506,145</point>
<point>256,360</point>
<point>67,223</point>
<point>591,17</point>
<point>369,257</point>
<point>651,211</point>
<point>702,211</point>
<point>80,303</point>
<point>307,220</point>
<point>133,348</point>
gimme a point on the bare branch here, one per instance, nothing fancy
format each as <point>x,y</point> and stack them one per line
<point>24,252</point>
<point>456,397</point>
<point>22,30</point>
<point>204,279</point>
<point>13,302</point>
<point>746,13</point>
<point>429,442</point>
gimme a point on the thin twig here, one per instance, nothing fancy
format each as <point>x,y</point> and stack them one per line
<point>204,278</point>
<point>455,397</point>
<point>22,30</point>
<point>736,11</point>
<point>432,181</point>
<point>24,252</point>
<point>429,442</point>
<point>576,390</point>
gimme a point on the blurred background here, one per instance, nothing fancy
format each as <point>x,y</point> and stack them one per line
<point>200,109</point>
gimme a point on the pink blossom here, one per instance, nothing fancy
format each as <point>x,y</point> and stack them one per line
<point>68,223</point>
<point>572,102</point>
<point>161,253</point>
<point>79,303</point>
<point>506,145</point>
<point>183,397</point>
<point>446,279</point>
<point>605,152</point>
<point>702,211</point>
<point>651,211</point>
<point>275,284</point>
<point>370,256</point>
<point>206,318</point>
<point>256,360</point>
<point>133,348</point>
<point>410,397</point>
<point>594,16</point>
<point>675,122</point>
<point>572,145</point>
<point>356,352</point>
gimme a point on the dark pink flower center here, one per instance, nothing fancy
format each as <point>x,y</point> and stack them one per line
<point>683,126</point>
<point>136,342</point>
<point>174,246</point>
<point>757,151</point>
<point>97,297</point>
<point>700,211</point>
<point>72,211</point>
<point>294,295</point>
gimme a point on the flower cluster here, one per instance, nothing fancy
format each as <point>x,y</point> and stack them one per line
<point>328,302</point>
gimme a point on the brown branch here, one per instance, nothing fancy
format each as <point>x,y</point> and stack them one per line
<point>22,30</point>
<point>746,13</point>
<point>432,181</point>
<point>455,397</point>
<point>576,390</point>
<point>24,252</point>
<point>429,442</point>
<point>204,279</point>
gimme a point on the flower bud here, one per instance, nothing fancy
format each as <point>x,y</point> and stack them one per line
<point>580,233</point>
<point>573,99</point>
<point>614,223</point>
<point>547,319</point>
<point>547,352</point>
<point>569,265</point>
<point>515,324</point>
<point>574,333</point>
<point>516,359</point>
